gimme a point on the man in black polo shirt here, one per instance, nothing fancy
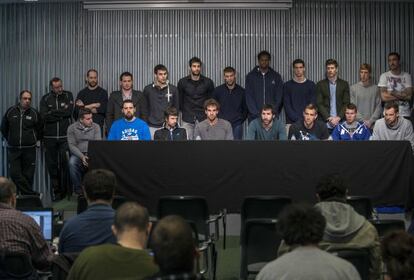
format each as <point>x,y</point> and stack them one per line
<point>194,90</point>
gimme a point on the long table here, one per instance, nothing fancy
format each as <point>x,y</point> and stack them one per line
<point>227,171</point>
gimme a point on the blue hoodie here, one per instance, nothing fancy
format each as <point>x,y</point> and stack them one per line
<point>341,132</point>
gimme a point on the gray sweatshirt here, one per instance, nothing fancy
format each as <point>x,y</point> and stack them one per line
<point>368,101</point>
<point>79,136</point>
<point>402,130</point>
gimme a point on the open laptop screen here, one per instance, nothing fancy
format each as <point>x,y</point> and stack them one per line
<point>44,218</point>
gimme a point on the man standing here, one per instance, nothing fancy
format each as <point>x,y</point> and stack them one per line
<point>158,96</point>
<point>114,110</point>
<point>351,129</point>
<point>194,90</point>
<point>309,128</point>
<point>268,127</point>
<point>232,100</point>
<point>22,127</point>
<point>297,93</point>
<point>332,95</point>
<point>213,128</point>
<point>129,127</point>
<point>56,108</point>
<point>263,86</point>
<point>365,95</point>
<point>171,131</point>
<point>79,134</point>
<point>94,98</point>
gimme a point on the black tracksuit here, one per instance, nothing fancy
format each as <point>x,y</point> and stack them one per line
<point>167,134</point>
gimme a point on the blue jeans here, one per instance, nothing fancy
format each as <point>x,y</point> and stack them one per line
<point>76,172</point>
<point>238,132</point>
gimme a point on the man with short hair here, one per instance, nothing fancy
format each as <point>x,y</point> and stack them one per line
<point>19,233</point>
<point>126,260</point>
<point>263,86</point>
<point>22,127</point>
<point>93,226</point>
<point>332,95</point>
<point>302,228</point>
<point>365,95</point>
<point>157,97</point>
<point>174,249</point>
<point>297,93</point>
<point>115,102</point>
<point>232,100</point>
<point>194,90</point>
<point>171,131</point>
<point>129,127</point>
<point>213,128</point>
<point>94,98</point>
<point>351,129</point>
<point>79,135</point>
<point>309,128</point>
<point>268,127</point>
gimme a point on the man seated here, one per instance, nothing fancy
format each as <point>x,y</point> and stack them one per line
<point>171,131</point>
<point>19,233</point>
<point>309,128</point>
<point>351,129</point>
<point>213,128</point>
<point>93,226</point>
<point>302,228</point>
<point>126,260</point>
<point>267,127</point>
<point>174,249</point>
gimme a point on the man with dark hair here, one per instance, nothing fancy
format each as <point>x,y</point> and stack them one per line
<point>213,128</point>
<point>22,127</point>
<point>19,233</point>
<point>79,135</point>
<point>94,98</point>
<point>351,129</point>
<point>126,260</point>
<point>129,127</point>
<point>93,226</point>
<point>56,108</point>
<point>115,102</point>
<point>171,130</point>
<point>345,228</point>
<point>268,127</point>
<point>309,128</point>
<point>232,100</point>
<point>174,249</point>
<point>302,228</point>
<point>263,86</point>
<point>332,95</point>
<point>157,97</point>
<point>194,90</point>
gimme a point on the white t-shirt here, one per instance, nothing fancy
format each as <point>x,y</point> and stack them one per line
<point>397,83</point>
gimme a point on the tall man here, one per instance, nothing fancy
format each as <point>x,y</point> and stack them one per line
<point>365,95</point>
<point>94,98</point>
<point>157,97</point>
<point>351,129</point>
<point>263,86</point>
<point>22,127</point>
<point>114,110</point>
<point>194,90</point>
<point>232,100</point>
<point>171,130</point>
<point>56,109</point>
<point>268,127</point>
<point>332,95</point>
<point>309,128</point>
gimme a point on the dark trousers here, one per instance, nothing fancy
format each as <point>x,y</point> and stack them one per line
<point>22,165</point>
<point>56,161</point>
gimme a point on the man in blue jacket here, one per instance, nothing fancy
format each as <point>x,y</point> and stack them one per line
<point>263,86</point>
<point>351,129</point>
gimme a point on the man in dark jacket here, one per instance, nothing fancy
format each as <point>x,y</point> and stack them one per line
<point>56,108</point>
<point>263,86</point>
<point>171,131</point>
<point>22,128</point>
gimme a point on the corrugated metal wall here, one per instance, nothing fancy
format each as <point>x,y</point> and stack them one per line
<point>39,41</point>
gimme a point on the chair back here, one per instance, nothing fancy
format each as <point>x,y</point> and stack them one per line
<point>16,266</point>
<point>28,201</point>
<point>385,226</point>
<point>362,205</point>
<point>259,207</point>
<point>359,258</point>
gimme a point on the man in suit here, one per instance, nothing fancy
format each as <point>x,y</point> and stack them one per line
<point>332,95</point>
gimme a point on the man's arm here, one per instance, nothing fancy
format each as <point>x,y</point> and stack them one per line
<point>5,126</point>
<point>282,131</point>
<point>145,105</point>
<point>73,143</point>
<point>229,132</point>
<point>41,253</point>
<point>378,110</point>
<point>46,114</point>
<point>323,111</point>
<point>67,110</point>
<point>251,131</point>
<point>250,98</point>
<point>110,112</point>
<point>279,94</point>
<point>345,99</point>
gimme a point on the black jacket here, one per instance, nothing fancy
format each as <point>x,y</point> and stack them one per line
<point>21,128</point>
<point>166,134</point>
<point>56,111</point>
<point>114,109</point>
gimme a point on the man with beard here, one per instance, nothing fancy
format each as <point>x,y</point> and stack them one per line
<point>92,97</point>
<point>194,90</point>
<point>129,127</point>
<point>232,100</point>
<point>309,128</point>
<point>171,130</point>
<point>268,127</point>
<point>351,129</point>
<point>213,128</point>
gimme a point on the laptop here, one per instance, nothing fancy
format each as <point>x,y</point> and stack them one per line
<point>44,218</point>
